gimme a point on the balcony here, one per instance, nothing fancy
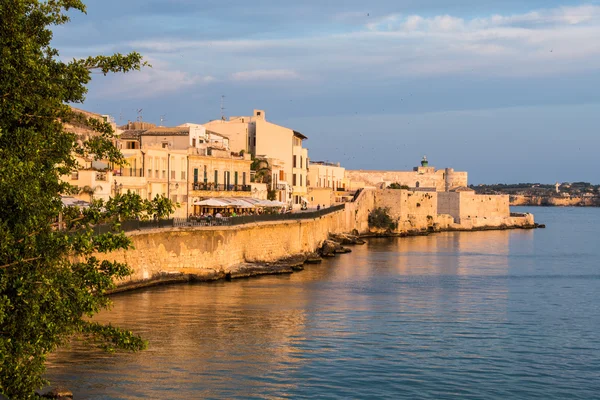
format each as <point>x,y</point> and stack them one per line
<point>221,188</point>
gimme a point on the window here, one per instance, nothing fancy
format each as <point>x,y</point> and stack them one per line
<point>195,175</point>
<point>183,175</point>
<point>205,175</point>
<point>172,175</point>
<point>300,179</point>
<point>300,161</point>
<point>194,142</point>
<point>165,145</point>
<point>75,175</point>
<point>244,178</point>
<point>294,162</point>
<point>216,177</point>
<point>294,180</point>
<point>149,173</point>
<point>235,178</point>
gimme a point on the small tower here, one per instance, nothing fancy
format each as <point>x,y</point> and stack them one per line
<point>424,162</point>
<point>557,185</point>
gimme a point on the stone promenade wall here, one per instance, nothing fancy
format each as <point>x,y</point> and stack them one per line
<point>213,252</point>
<point>208,252</point>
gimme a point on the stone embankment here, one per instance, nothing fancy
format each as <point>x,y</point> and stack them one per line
<point>329,247</point>
<point>186,254</point>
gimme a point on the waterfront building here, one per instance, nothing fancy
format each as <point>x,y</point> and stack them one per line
<point>218,173</point>
<point>281,148</point>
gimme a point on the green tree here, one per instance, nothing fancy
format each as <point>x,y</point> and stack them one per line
<point>50,281</point>
<point>262,171</point>
<point>272,195</point>
<point>380,218</point>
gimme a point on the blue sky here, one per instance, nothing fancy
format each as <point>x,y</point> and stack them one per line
<point>507,90</point>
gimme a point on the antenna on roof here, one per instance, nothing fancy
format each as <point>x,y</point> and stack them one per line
<point>162,119</point>
<point>139,113</point>
<point>223,107</point>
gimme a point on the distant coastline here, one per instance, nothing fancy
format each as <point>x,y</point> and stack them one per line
<point>575,194</point>
<point>554,201</point>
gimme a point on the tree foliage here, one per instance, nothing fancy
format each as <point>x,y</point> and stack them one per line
<point>381,219</point>
<point>262,170</point>
<point>396,185</point>
<point>50,280</point>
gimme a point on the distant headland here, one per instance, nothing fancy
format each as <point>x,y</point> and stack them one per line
<point>580,194</point>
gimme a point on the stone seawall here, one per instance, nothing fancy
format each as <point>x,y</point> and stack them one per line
<point>210,253</point>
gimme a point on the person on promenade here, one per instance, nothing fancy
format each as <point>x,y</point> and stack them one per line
<point>318,207</point>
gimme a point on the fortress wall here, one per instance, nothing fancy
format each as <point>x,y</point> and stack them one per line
<point>411,209</point>
<point>424,177</point>
<point>459,179</point>
<point>483,206</point>
<point>408,178</point>
<point>449,204</point>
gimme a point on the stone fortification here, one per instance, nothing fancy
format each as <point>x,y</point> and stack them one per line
<point>416,210</point>
<point>421,177</point>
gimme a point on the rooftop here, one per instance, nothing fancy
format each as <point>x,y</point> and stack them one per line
<point>163,131</point>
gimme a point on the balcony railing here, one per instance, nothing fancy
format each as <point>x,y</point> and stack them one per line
<point>221,188</point>
<point>135,172</point>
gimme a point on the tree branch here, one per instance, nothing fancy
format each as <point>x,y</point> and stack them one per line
<point>17,262</point>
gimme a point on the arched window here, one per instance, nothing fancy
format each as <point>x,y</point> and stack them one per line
<point>417,184</point>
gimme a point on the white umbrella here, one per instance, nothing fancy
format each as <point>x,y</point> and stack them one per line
<point>239,203</point>
<point>211,203</point>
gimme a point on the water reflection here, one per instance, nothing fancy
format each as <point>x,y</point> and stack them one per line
<point>448,315</point>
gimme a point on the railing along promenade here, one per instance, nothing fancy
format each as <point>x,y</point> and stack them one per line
<point>135,225</point>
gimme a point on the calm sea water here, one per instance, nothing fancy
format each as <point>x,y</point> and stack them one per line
<point>480,315</point>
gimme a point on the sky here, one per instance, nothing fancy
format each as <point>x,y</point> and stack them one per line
<point>507,90</point>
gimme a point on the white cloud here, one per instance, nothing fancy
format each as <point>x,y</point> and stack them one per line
<point>152,82</point>
<point>547,41</point>
<point>265,75</point>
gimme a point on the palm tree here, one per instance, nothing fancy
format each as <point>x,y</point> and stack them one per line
<point>262,171</point>
<point>88,190</point>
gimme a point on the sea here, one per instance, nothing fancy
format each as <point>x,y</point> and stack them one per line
<point>463,315</point>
